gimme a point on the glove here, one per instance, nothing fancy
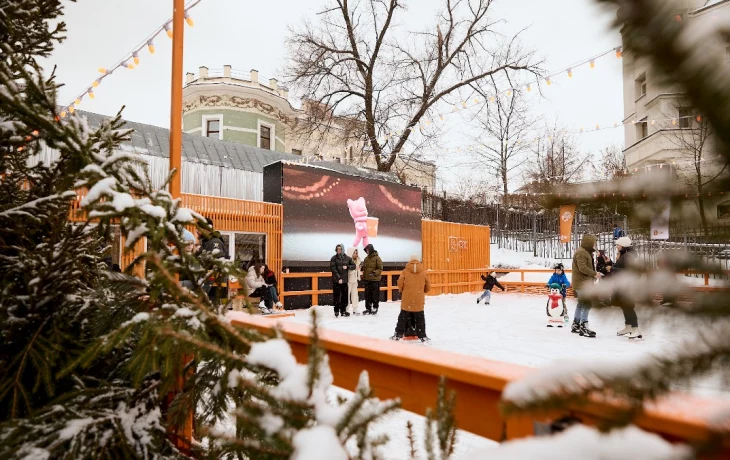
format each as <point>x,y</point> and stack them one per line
<point>502,289</point>
<point>344,267</point>
<point>340,281</point>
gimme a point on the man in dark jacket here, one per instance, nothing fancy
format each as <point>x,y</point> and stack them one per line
<point>627,257</point>
<point>372,267</point>
<point>489,282</point>
<point>584,273</point>
<point>340,265</point>
<point>211,242</point>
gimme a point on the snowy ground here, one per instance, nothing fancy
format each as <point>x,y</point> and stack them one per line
<point>513,329</point>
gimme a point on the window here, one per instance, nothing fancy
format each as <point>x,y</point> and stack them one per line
<point>641,86</point>
<point>338,160</point>
<point>265,137</point>
<point>723,210</point>
<point>642,128</point>
<point>213,128</point>
<point>296,151</point>
<point>246,247</point>
<point>685,117</point>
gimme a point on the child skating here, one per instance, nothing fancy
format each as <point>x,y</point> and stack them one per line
<point>558,277</point>
<point>489,282</point>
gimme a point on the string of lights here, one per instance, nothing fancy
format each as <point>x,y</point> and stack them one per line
<point>130,59</point>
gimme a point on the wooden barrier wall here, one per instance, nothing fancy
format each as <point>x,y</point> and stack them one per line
<point>457,254</point>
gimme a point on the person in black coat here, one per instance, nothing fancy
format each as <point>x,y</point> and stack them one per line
<point>211,241</point>
<point>627,256</point>
<point>489,282</point>
<point>340,265</point>
<point>604,264</point>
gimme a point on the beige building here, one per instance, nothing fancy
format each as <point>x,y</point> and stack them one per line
<point>242,107</point>
<point>661,128</point>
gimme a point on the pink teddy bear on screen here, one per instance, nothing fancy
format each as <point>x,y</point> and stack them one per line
<point>359,214</point>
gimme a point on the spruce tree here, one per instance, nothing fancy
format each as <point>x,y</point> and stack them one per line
<point>91,361</point>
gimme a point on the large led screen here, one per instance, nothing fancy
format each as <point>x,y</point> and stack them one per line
<point>323,208</point>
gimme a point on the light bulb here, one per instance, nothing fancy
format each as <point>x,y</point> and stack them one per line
<point>189,20</point>
<point>151,47</point>
<point>78,101</point>
<point>91,93</point>
<point>35,133</point>
<point>528,88</point>
<point>168,29</point>
<point>652,122</point>
<point>509,93</point>
<point>96,83</point>
<point>135,57</point>
<point>71,109</point>
<point>674,121</point>
<point>618,52</point>
<point>463,104</point>
<point>103,70</point>
<point>547,80</point>
<point>570,73</point>
<point>128,65</point>
<point>593,64</point>
<point>62,114</point>
<point>598,127</point>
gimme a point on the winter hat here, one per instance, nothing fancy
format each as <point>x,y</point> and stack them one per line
<point>415,257</point>
<point>624,242</point>
<point>555,286</point>
<point>188,237</point>
<point>493,274</point>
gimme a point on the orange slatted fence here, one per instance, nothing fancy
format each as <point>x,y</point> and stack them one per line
<point>398,370</point>
<point>454,252</point>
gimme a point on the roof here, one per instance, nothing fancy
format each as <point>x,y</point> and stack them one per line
<point>155,141</point>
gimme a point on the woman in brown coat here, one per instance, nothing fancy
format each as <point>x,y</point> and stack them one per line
<point>413,285</point>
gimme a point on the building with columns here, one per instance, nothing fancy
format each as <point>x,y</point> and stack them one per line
<point>660,126</point>
<point>245,108</point>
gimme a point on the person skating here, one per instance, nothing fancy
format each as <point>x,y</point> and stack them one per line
<point>413,285</point>
<point>372,267</point>
<point>627,256</point>
<point>558,277</point>
<point>353,278</point>
<point>340,265</point>
<point>489,282</point>
<point>584,273</point>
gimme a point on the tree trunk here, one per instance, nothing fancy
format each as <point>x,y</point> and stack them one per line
<point>505,189</point>
<point>703,218</point>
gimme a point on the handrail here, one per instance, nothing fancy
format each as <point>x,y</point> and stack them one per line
<point>411,373</point>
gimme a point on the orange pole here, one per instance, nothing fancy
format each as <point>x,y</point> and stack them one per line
<point>178,32</point>
<point>181,438</point>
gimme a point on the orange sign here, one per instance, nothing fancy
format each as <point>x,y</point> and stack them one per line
<point>567,212</point>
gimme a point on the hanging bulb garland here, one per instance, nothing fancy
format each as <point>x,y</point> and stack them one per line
<point>130,60</point>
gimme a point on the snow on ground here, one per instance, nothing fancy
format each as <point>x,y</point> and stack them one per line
<point>513,329</point>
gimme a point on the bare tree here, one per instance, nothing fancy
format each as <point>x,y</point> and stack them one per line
<point>698,165</point>
<point>352,64</point>
<point>555,160</point>
<point>611,164</point>
<point>504,125</point>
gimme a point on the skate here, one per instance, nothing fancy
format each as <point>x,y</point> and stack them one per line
<point>396,337</point>
<point>375,311</point>
<point>635,333</point>
<point>426,341</point>
<point>264,310</point>
<point>345,314</point>
<point>665,303</point>
<point>367,312</point>
<point>625,331</point>
<point>337,314</point>
<point>478,300</point>
<point>585,332</point>
<point>575,328</point>
<point>486,303</point>
<point>354,313</point>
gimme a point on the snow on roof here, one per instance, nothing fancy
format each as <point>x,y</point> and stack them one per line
<point>155,141</point>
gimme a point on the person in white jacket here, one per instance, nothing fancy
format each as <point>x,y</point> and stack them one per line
<point>257,287</point>
<point>353,277</point>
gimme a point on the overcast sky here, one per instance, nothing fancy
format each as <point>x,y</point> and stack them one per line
<point>250,35</point>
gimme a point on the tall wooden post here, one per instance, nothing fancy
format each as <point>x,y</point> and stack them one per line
<point>180,437</point>
<point>178,33</point>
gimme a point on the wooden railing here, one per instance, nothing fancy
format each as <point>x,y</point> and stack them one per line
<point>411,373</point>
<point>447,281</point>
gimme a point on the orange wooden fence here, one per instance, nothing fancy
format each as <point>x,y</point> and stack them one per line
<point>398,370</point>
